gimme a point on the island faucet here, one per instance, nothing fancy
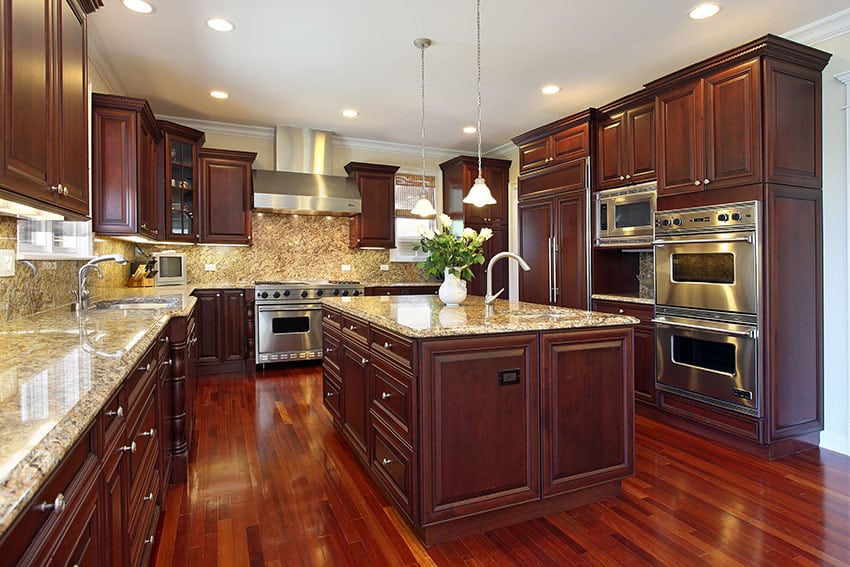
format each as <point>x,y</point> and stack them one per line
<point>82,294</point>
<point>490,298</point>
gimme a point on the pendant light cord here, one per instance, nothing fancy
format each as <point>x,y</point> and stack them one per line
<point>422,125</point>
<point>478,60</point>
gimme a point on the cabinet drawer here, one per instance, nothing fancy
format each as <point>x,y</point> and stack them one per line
<point>143,459</point>
<point>331,347</point>
<point>639,310</point>
<point>393,347</point>
<point>355,328</point>
<point>391,399</point>
<point>393,467</point>
<point>331,318</point>
<point>331,395</point>
<point>143,524</point>
<point>113,420</point>
<point>140,378</point>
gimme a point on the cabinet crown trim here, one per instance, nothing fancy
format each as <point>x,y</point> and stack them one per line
<point>562,124</point>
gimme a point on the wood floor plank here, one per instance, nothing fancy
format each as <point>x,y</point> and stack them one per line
<point>271,482</point>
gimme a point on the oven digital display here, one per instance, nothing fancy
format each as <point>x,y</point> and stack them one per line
<point>282,325</point>
<point>710,267</point>
<point>708,355</point>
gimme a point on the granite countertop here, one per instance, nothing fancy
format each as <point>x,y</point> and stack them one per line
<point>628,298</point>
<point>426,316</point>
<point>59,369</point>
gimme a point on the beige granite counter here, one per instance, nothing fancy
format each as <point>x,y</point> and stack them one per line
<point>59,368</point>
<point>425,316</point>
<point>626,298</point>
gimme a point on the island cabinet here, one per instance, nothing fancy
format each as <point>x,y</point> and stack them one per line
<point>44,104</point>
<point>374,227</point>
<point>470,428</point>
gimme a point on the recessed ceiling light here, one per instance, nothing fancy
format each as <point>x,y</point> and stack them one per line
<point>350,113</point>
<point>139,6</point>
<point>220,24</point>
<point>550,89</point>
<point>704,11</point>
<point>469,130</point>
<point>219,94</point>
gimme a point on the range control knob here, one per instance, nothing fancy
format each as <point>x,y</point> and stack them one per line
<point>286,293</point>
<point>319,293</point>
<point>722,217</point>
<point>665,222</point>
<point>356,292</point>
<point>336,292</point>
<point>677,221</point>
<point>345,292</point>
<point>304,293</point>
<point>264,294</point>
<point>276,294</point>
<point>736,216</point>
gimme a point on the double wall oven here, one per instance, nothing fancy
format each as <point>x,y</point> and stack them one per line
<point>707,305</point>
<point>288,317</point>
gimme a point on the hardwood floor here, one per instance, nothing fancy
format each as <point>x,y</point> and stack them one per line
<point>272,483</point>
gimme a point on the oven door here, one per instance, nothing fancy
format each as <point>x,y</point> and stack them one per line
<point>711,361</point>
<point>716,271</point>
<point>288,332</point>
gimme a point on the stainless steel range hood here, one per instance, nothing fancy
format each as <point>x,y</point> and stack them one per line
<point>301,184</point>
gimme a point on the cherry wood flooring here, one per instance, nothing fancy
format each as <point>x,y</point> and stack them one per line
<point>272,483</point>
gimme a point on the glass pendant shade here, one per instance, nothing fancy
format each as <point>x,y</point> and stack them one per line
<point>480,194</point>
<point>423,208</point>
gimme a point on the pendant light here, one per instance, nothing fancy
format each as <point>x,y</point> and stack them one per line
<point>479,194</point>
<point>423,207</point>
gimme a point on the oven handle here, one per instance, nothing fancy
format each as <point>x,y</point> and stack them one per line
<point>291,307</point>
<point>748,239</point>
<point>752,333</point>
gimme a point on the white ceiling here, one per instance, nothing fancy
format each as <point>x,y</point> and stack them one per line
<point>301,63</point>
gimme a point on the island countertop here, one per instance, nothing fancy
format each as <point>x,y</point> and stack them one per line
<point>425,316</point>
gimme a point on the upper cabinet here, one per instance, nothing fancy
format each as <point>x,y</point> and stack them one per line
<point>177,168</point>
<point>226,196</point>
<point>625,143</point>
<point>374,227</point>
<point>125,199</point>
<point>750,115</point>
<point>458,176</point>
<point>554,143</point>
<point>43,85</point>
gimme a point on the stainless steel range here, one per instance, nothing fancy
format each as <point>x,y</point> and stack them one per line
<point>289,317</point>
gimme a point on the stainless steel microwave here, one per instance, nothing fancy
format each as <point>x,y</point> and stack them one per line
<point>625,216</point>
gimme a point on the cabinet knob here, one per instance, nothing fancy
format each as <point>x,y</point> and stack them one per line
<point>119,413</point>
<point>620,311</point>
<point>149,497</point>
<point>706,181</point>
<point>149,541</point>
<point>131,448</point>
<point>385,462</point>
<point>150,433</point>
<point>352,327</point>
<point>58,504</point>
<point>385,395</point>
<point>329,350</point>
<point>388,345</point>
<point>193,341</point>
<point>164,340</point>
<point>622,178</point>
<point>64,189</point>
<point>364,361</point>
<point>218,295</point>
<point>329,395</point>
<point>145,368</point>
<point>628,176</point>
<point>697,182</point>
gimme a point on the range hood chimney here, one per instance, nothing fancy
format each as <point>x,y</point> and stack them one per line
<point>301,182</point>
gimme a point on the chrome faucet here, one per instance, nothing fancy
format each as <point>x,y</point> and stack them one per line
<point>490,298</point>
<point>82,294</point>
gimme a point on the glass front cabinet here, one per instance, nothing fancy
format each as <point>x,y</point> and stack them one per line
<point>178,156</point>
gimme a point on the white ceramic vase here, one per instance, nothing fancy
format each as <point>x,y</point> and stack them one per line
<point>453,288</point>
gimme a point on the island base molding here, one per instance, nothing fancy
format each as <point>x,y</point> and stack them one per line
<point>494,519</point>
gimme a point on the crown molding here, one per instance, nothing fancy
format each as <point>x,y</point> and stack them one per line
<point>227,128</point>
<point>96,58</point>
<point>507,150</point>
<point>843,77</point>
<point>821,30</point>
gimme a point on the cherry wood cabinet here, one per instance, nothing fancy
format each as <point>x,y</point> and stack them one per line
<point>223,338</point>
<point>177,179</point>
<point>554,143</point>
<point>227,196</point>
<point>625,144</point>
<point>125,199</point>
<point>178,397</point>
<point>423,289</point>
<point>497,243</point>
<point>644,345</point>
<point>44,104</point>
<point>458,177</point>
<point>374,227</point>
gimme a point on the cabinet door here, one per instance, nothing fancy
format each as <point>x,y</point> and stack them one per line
<point>208,316</point>
<point>232,329</point>
<point>733,126</point>
<point>587,409</point>
<point>26,109</point>
<point>533,155</point>
<point>639,144</point>
<point>645,364</point>
<point>377,219</point>
<point>535,232</point>
<point>150,200</point>
<point>680,140</point>
<point>355,380</point>
<point>180,181</point>
<point>114,171</point>
<point>226,197</point>
<point>569,144</point>
<point>72,95</point>
<point>610,152</point>
<point>570,275</point>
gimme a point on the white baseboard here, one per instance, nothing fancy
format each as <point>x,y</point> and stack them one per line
<point>835,442</point>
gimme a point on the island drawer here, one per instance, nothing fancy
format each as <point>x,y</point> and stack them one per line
<point>393,347</point>
<point>391,398</point>
<point>141,377</point>
<point>332,396</point>
<point>143,449</point>
<point>331,347</point>
<point>393,466</point>
<point>355,328</point>
<point>113,418</point>
<point>143,523</point>
<point>331,318</point>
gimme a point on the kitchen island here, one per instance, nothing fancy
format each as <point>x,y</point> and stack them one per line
<point>472,420</point>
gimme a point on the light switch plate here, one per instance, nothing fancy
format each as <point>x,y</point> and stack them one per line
<point>209,267</point>
<point>345,267</point>
<point>385,267</point>
<point>7,263</point>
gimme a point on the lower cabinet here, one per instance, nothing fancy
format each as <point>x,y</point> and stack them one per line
<point>469,433</point>
<point>224,317</point>
<point>644,360</point>
<point>423,289</point>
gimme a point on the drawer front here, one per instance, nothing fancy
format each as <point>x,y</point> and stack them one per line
<point>143,523</point>
<point>331,347</point>
<point>356,329</point>
<point>391,398</point>
<point>145,435</point>
<point>332,397</point>
<point>393,347</point>
<point>642,312</point>
<point>393,467</point>
<point>140,378</point>
<point>113,417</point>
<point>332,318</point>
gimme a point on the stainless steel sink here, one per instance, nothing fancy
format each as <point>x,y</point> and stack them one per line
<point>154,302</point>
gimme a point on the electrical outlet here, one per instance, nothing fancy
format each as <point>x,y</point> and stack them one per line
<point>209,267</point>
<point>385,267</point>
<point>7,263</point>
<point>48,265</point>
<point>345,267</point>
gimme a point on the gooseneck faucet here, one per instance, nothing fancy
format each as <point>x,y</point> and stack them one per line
<point>82,294</point>
<point>490,298</point>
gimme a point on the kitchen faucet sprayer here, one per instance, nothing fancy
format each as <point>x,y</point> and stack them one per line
<point>490,298</point>
<point>82,294</point>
